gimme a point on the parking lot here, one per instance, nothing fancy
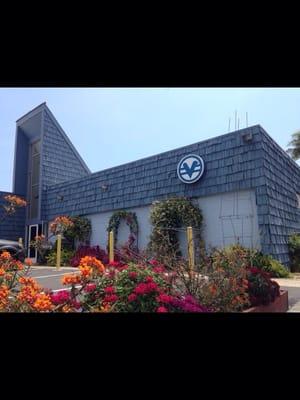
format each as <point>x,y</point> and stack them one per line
<point>50,277</point>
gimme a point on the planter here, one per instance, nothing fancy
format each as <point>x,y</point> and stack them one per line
<point>281,304</point>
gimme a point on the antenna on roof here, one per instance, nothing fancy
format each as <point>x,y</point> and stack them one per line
<point>247,119</point>
<point>229,125</point>
<point>235,114</point>
<point>238,123</point>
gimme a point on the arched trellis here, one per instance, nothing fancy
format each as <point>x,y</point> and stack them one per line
<point>131,220</point>
<point>168,217</point>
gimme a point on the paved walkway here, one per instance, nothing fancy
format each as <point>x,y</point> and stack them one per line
<point>292,285</point>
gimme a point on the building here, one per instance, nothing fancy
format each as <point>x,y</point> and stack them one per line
<point>246,186</point>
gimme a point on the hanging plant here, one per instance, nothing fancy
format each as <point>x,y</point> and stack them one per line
<point>131,220</point>
<point>168,217</point>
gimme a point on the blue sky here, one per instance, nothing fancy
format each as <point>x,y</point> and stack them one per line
<point>112,126</point>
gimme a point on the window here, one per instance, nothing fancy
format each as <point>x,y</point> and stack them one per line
<point>34,180</point>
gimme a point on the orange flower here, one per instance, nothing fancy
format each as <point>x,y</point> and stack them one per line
<point>27,281</point>
<point>106,308</point>
<point>28,262</point>
<point>213,290</point>
<point>5,256</point>
<point>4,292</point>
<point>67,308</point>
<point>27,294</point>
<point>43,302</point>
<point>2,271</point>
<point>71,279</point>
<point>92,262</point>
<point>15,201</point>
<point>85,270</point>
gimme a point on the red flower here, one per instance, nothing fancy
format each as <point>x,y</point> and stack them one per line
<point>109,290</point>
<point>132,275</point>
<point>149,279</point>
<point>161,309</point>
<point>159,270</point>
<point>154,262</point>
<point>164,298</point>
<point>141,288</point>
<point>144,288</point>
<point>132,297</point>
<point>110,298</point>
<point>151,287</point>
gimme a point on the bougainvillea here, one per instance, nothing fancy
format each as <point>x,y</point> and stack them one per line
<point>61,224</point>
<point>167,218</point>
<point>131,220</point>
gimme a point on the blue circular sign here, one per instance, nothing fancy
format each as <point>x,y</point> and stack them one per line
<point>190,168</point>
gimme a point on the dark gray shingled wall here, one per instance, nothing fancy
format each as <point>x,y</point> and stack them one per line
<point>281,212</point>
<point>13,226</point>
<point>59,161</point>
<point>230,164</point>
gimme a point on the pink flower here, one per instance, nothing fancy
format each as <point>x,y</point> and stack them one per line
<point>60,297</point>
<point>76,304</point>
<point>132,297</point>
<point>109,290</point>
<point>161,309</point>
<point>90,288</point>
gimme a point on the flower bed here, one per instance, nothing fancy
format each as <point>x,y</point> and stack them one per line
<point>226,283</point>
<point>280,304</point>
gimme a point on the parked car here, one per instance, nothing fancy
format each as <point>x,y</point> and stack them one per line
<point>14,248</point>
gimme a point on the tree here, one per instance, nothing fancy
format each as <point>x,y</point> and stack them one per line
<point>294,150</point>
<point>12,204</point>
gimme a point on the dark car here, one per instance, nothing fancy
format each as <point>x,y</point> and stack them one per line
<point>14,248</point>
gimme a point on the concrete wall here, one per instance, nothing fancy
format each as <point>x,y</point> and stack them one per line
<point>228,218</point>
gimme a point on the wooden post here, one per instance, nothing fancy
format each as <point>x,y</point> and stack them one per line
<point>190,243</point>
<point>58,252</point>
<point>111,246</point>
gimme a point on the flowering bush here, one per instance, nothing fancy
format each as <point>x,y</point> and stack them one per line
<point>127,288</point>
<point>13,202</point>
<point>94,251</point>
<point>60,225</point>
<point>42,245</point>
<point>19,292</point>
<point>262,290</point>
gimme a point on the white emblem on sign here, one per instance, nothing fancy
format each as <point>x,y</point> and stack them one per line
<point>190,168</point>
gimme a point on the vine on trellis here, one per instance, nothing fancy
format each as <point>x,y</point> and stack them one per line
<point>131,220</point>
<point>168,217</point>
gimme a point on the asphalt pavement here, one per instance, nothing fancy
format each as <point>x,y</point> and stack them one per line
<point>50,277</point>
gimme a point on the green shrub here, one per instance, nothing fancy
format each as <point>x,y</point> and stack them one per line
<point>268,264</point>
<point>66,256</point>
<point>294,251</point>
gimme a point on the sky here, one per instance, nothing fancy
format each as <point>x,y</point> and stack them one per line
<point>112,126</point>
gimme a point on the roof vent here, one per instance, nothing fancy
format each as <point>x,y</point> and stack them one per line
<point>247,137</point>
